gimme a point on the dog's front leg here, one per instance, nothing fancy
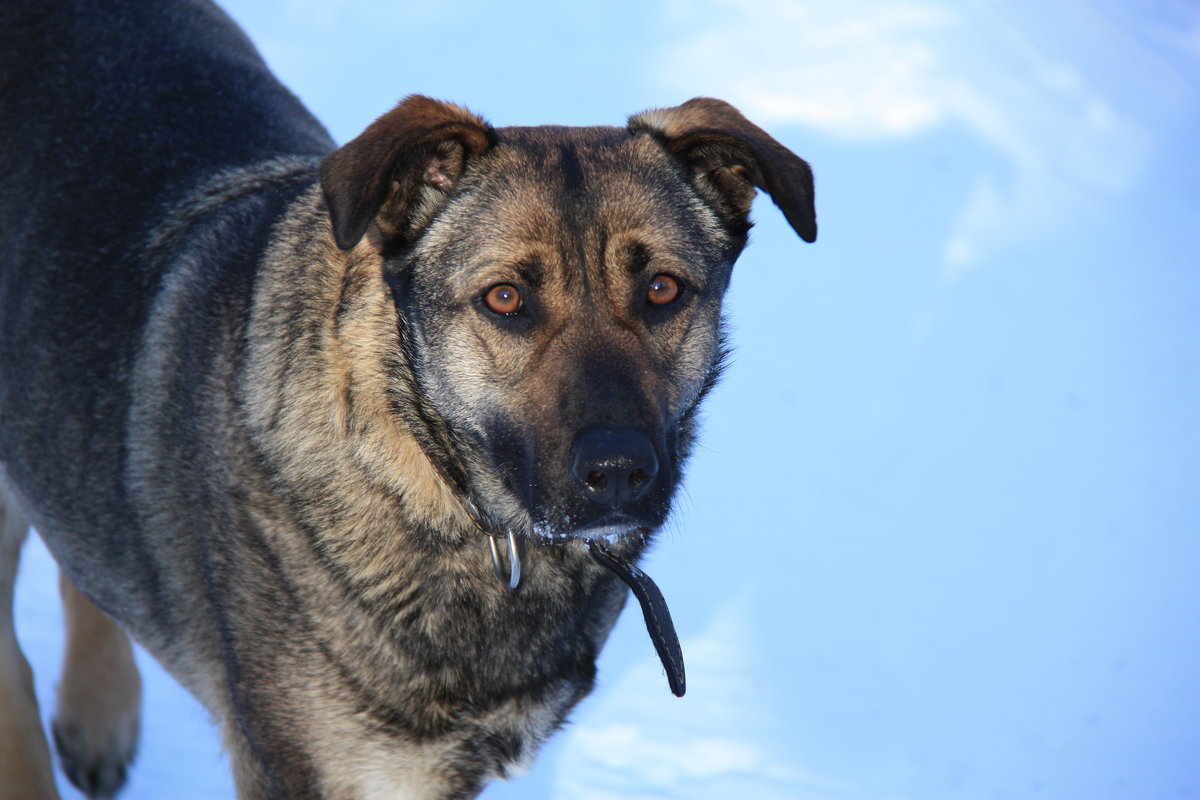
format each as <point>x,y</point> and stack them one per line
<point>99,698</point>
<point>25,770</point>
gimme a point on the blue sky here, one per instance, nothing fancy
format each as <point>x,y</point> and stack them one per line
<point>942,536</point>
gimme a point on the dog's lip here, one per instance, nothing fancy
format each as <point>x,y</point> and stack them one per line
<point>606,529</point>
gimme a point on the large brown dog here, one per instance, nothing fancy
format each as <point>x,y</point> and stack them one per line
<point>267,401</point>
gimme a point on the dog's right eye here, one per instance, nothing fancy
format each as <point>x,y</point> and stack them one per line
<point>503,299</point>
<point>663,290</point>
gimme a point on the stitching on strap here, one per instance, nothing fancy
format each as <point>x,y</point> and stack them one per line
<point>654,611</point>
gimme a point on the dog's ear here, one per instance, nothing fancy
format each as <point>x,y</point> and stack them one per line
<point>730,155</point>
<point>399,171</point>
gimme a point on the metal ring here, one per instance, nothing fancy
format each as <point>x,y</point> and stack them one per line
<point>513,579</point>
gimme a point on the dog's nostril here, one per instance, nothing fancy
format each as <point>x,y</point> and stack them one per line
<point>613,466</point>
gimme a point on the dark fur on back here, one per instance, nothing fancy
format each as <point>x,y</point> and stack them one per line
<point>110,114</point>
<point>250,384</point>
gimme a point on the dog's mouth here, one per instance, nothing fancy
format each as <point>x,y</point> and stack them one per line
<point>608,529</point>
<point>553,514</point>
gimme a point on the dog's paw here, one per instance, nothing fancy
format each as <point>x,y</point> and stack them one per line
<point>97,765</point>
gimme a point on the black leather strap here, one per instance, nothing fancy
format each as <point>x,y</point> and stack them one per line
<point>654,610</point>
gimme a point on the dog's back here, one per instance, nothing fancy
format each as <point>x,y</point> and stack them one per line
<point>110,114</point>
<point>122,99</point>
<point>118,119</point>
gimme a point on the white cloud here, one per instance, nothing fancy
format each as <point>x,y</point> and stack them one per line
<point>791,61</point>
<point>866,70</point>
<point>712,745</point>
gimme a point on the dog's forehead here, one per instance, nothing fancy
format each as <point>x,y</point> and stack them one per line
<point>579,159</point>
<point>578,181</point>
<point>540,141</point>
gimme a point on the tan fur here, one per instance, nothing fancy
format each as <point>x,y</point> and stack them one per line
<point>25,770</point>
<point>329,419</point>
<point>100,692</point>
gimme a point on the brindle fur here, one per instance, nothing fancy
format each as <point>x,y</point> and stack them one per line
<point>231,357</point>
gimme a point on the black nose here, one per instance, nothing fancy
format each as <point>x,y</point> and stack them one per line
<point>614,466</point>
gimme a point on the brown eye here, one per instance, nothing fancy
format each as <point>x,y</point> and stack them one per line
<point>503,299</point>
<point>663,290</point>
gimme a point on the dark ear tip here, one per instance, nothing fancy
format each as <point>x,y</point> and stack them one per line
<point>800,212</point>
<point>348,226</point>
<point>347,237</point>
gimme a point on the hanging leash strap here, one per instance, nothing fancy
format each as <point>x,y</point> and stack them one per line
<point>654,610</point>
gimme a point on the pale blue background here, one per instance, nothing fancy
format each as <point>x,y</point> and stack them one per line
<point>942,537</point>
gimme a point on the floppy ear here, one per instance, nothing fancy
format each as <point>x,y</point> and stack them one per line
<point>400,169</point>
<point>729,156</point>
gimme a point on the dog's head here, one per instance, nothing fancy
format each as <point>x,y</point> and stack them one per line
<point>559,294</point>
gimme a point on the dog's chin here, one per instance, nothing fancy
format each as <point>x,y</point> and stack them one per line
<point>609,529</point>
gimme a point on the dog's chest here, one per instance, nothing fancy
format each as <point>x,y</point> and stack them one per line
<point>358,757</point>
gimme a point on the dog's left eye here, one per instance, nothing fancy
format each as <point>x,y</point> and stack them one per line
<point>503,299</point>
<point>663,290</point>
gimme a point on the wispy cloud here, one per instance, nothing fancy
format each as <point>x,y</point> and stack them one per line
<point>673,749</point>
<point>852,69</point>
<point>871,70</point>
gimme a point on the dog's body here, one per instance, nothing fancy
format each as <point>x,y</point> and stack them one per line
<point>253,394</point>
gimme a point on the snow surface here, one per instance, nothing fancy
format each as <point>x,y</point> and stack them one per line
<point>941,538</point>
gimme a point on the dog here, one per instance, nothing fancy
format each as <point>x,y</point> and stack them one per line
<point>361,443</point>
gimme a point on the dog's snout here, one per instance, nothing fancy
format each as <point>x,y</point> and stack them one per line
<point>613,466</point>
